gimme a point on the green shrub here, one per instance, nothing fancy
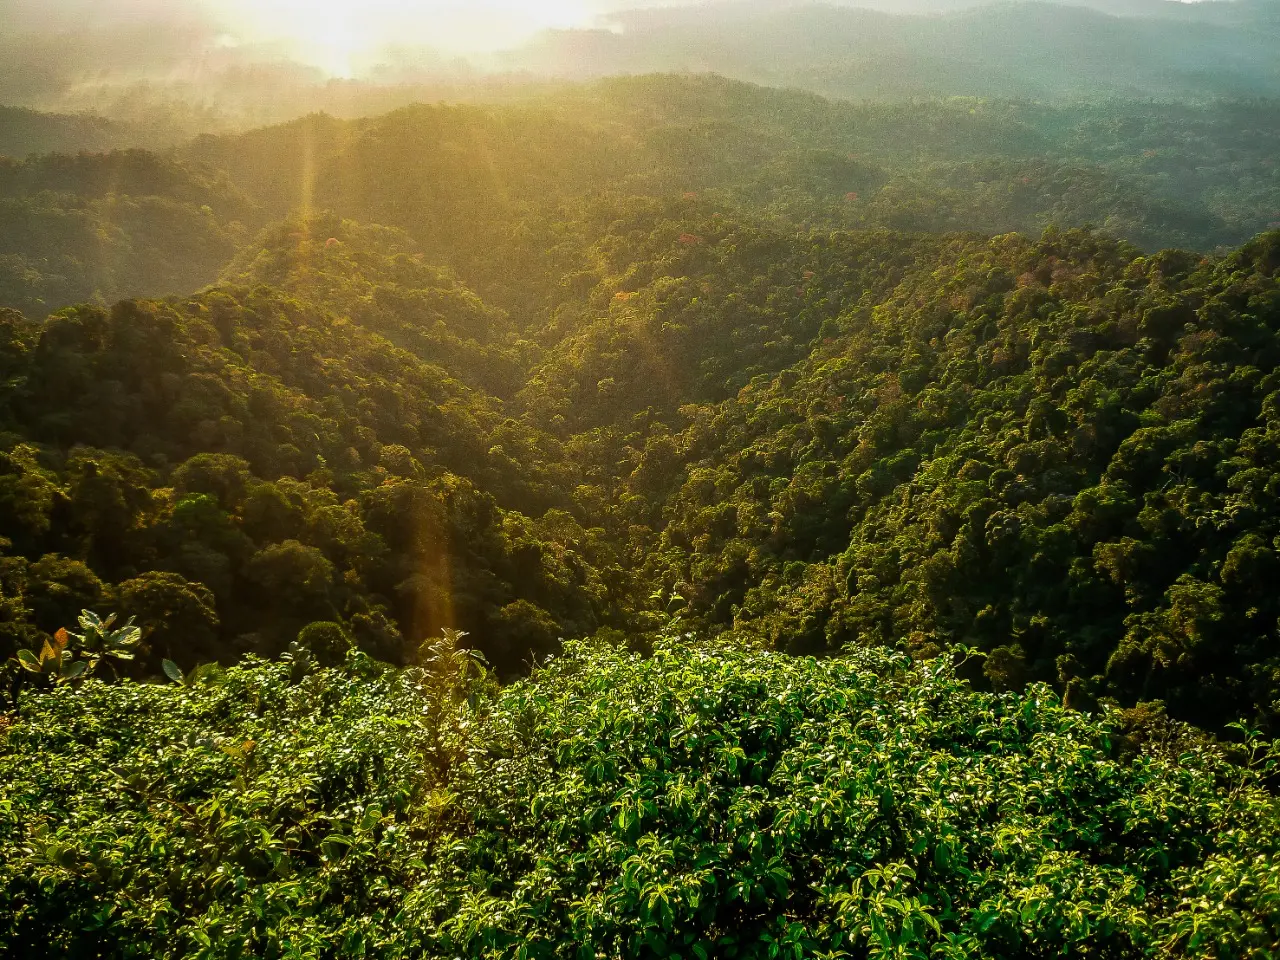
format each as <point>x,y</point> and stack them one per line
<point>700,802</point>
<point>712,803</point>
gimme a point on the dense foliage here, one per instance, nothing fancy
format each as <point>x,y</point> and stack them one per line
<point>259,464</point>
<point>696,802</point>
<point>699,801</point>
<point>1059,451</point>
<point>571,367</point>
<point>482,188</point>
<point>104,226</point>
<point>1056,451</point>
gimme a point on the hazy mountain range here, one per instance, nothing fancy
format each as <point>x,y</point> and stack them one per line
<point>1143,48</point>
<point>173,73</point>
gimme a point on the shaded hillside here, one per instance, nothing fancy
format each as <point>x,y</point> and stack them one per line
<point>25,132</point>
<point>104,226</point>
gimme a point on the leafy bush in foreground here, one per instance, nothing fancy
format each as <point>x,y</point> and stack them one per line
<point>251,816</point>
<point>698,802</point>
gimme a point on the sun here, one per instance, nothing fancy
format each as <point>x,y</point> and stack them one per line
<point>338,36</point>
<point>331,39</point>
<point>328,34</point>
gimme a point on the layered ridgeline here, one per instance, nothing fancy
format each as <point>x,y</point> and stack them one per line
<point>1056,451</point>
<point>956,531</point>
<point>138,69</point>
<point>483,188</point>
<point>463,178</point>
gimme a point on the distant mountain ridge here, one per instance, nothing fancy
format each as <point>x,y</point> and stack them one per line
<point>1093,49</point>
<point>1213,11</point>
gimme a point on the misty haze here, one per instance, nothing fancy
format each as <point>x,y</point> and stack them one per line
<point>228,63</point>
<point>607,479</point>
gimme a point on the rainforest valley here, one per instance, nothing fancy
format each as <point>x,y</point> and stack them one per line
<point>658,517</point>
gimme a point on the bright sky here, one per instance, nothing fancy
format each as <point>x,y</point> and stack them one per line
<point>337,35</point>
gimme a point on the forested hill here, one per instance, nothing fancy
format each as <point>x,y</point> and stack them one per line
<point>487,190</point>
<point>101,226</point>
<point>666,518</point>
<point>1157,174</point>
<point>659,345</point>
<point>24,132</point>
<point>1057,451</point>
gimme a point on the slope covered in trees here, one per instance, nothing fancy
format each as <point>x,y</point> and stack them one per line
<point>488,190</point>
<point>640,523</point>
<point>24,132</point>
<point>245,452</point>
<point>459,177</point>
<point>1056,451</point>
<point>111,225</point>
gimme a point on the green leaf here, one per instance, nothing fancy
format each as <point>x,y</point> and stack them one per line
<point>75,670</point>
